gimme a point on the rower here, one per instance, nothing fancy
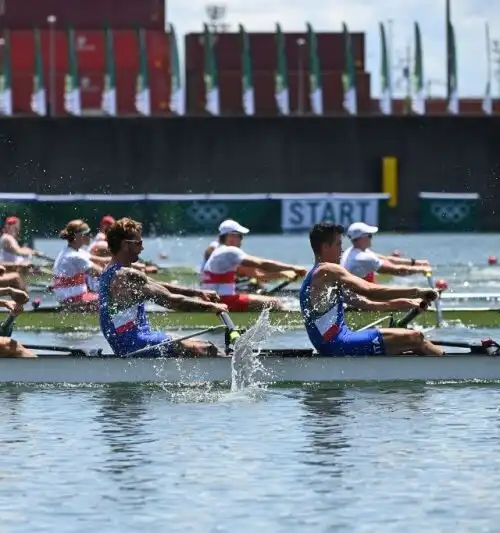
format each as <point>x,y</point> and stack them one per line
<point>8,346</point>
<point>219,272</point>
<point>124,290</point>
<point>71,268</point>
<point>15,258</point>
<point>322,305</point>
<point>99,245</point>
<point>361,261</point>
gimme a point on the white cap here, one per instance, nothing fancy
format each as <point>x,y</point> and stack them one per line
<point>360,229</point>
<point>231,226</point>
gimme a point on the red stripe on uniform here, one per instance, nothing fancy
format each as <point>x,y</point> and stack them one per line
<point>62,282</point>
<point>126,327</point>
<point>370,277</point>
<point>331,332</point>
<point>227,277</point>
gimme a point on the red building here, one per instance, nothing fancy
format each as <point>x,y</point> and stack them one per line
<point>88,19</point>
<point>227,50</point>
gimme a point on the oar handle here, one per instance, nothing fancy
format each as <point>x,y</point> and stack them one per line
<point>410,315</point>
<point>232,333</point>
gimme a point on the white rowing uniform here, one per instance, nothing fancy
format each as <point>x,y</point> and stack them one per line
<point>92,281</point>
<point>69,274</point>
<point>6,256</point>
<point>219,272</point>
<point>361,263</point>
<point>214,245</point>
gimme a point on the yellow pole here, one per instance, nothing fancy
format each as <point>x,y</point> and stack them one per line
<point>390,179</point>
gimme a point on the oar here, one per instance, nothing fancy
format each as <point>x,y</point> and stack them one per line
<point>77,352</point>
<point>439,311</point>
<point>375,323</point>
<point>169,342</point>
<point>277,288</point>
<point>410,315</point>
<point>485,347</point>
<point>46,257</point>
<point>244,284</point>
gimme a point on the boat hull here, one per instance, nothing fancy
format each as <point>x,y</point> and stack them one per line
<point>63,321</point>
<point>276,369</point>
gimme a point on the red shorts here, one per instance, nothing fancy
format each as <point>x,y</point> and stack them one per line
<point>236,302</point>
<point>84,298</point>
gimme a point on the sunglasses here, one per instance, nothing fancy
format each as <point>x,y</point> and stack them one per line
<point>135,241</point>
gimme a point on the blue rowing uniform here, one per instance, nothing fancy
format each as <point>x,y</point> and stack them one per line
<point>328,331</point>
<point>126,329</point>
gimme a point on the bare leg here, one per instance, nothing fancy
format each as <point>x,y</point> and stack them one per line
<point>11,348</point>
<point>196,348</point>
<point>399,340</point>
<point>13,279</point>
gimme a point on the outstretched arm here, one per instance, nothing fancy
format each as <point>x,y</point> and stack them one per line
<point>365,304</point>
<point>332,274</point>
<point>131,286</point>
<point>268,265</point>
<point>389,267</point>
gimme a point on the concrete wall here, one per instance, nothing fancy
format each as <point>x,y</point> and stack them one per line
<point>244,155</point>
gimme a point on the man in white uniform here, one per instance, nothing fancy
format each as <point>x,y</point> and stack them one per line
<point>219,272</point>
<point>363,262</point>
<point>251,278</point>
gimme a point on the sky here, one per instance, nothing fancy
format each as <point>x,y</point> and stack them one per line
<point>468,16</point>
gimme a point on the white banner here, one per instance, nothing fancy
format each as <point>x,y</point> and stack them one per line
<point>303,214</point>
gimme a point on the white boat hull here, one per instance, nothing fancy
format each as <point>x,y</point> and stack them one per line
<point>100,370</point>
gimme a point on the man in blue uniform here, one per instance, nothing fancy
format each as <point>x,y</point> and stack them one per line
<point>124,290</point>
<point>322,299</point>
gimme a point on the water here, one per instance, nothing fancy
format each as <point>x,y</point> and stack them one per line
<point>321,459</point>
<point>354,460</point>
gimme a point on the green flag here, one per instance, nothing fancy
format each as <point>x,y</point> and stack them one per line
<point>487,101</point>
<point>176,91</point>
<point>109,92</point>
<point>418,93</point>
<point>282,94</point>
<point>349,77</point>
<point>142,92</point>
<point>212,104</point>
<point>38,97</point>
<point>72,101</point>
<point>385,101</point>
<point>5,77</point>
<point>247,91</point>
<point>315,87</point>
<point>451,64</point>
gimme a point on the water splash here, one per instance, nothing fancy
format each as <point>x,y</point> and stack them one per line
<point>245,365</point>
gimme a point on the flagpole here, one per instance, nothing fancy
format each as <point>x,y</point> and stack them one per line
<point>300,107</point>
<point>390,55</point>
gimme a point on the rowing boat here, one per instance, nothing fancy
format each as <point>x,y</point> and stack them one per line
<point>277,366</point>
<point>57,320</point>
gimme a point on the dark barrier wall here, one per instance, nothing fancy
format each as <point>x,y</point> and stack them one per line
<point>247,155</point>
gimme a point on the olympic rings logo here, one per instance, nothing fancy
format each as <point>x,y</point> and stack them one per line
<point>207,214</point>
<point>450,213</point>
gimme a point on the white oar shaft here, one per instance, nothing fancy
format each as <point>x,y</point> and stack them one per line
<point>376,323</point>
<point>168,342</point>
<point>437,302</point>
